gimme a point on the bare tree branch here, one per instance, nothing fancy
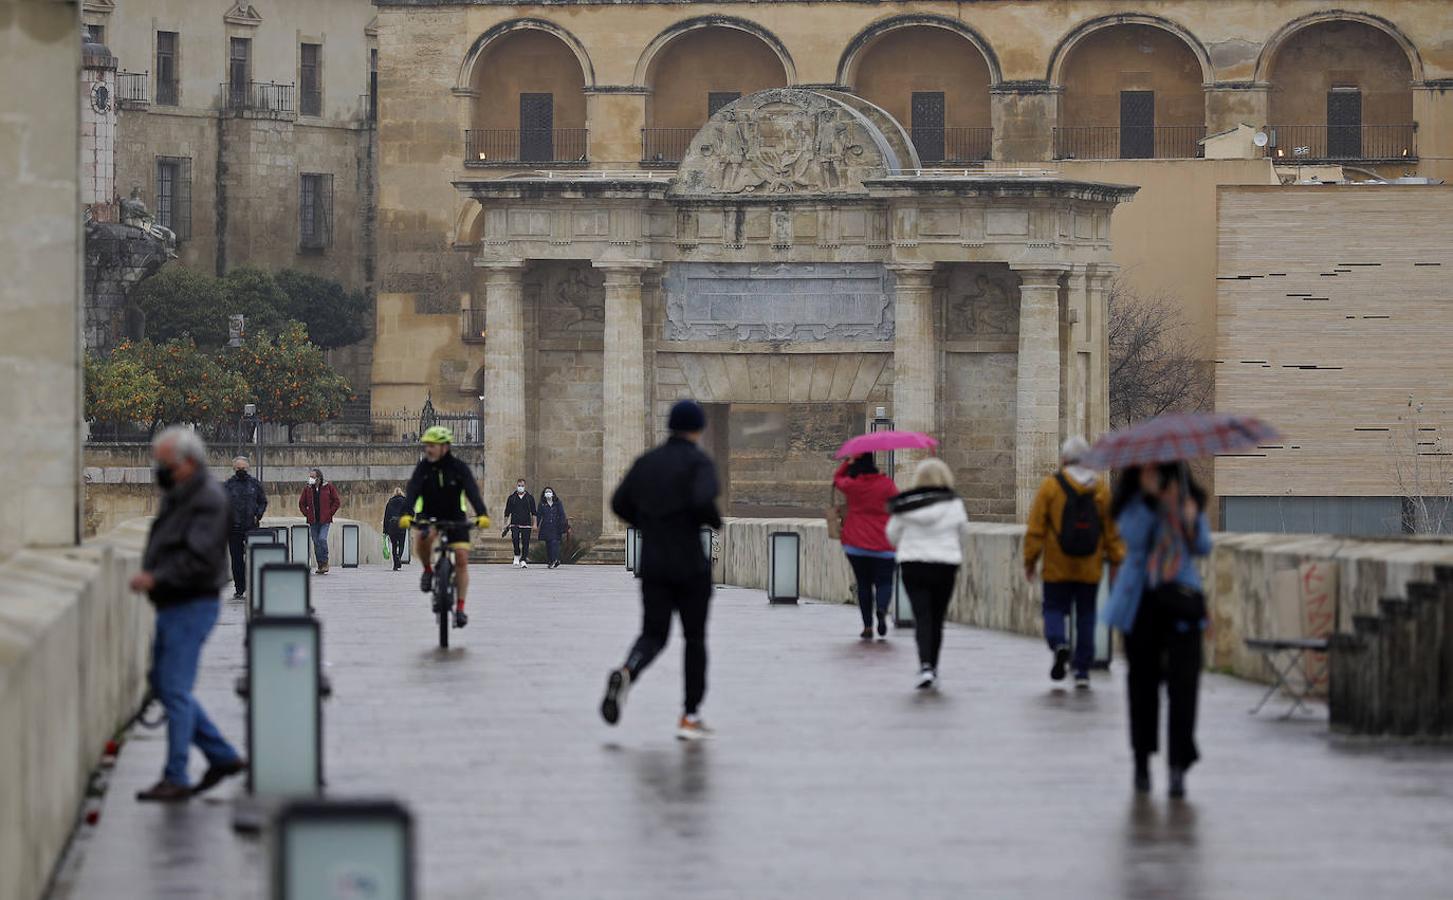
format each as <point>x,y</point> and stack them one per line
<point>1421,465</point>
<point>1153,366</point>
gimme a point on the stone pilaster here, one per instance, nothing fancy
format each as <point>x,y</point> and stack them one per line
<point>1037,430</point>
<point>1074,370</point>
<point>504,379</point>
<point>625,411</point>
<point>1100,279</point>
<point>915,360</point>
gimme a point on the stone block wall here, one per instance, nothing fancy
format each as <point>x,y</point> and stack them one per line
<point>566,430</point>
<point>1251,579</point>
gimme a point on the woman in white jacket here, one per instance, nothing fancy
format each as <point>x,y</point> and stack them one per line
<point>927,526</point>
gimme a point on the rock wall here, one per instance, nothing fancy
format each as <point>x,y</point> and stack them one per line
<point>1258,585</point>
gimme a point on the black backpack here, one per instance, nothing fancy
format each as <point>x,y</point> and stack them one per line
<point>1079,529</point>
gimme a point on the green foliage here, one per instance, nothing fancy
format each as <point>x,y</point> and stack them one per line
<point>120,390</point>
<point>191,385</point>
<point>255,294</point>
<point>334,316</point>
<point>179,302</point>
<point>291,381</point>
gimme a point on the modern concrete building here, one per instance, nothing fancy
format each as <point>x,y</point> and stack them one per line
<point>525,150</point>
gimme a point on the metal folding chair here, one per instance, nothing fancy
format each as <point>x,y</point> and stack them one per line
<point>1294,651</point>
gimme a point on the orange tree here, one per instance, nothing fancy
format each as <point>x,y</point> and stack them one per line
<point>290,379</point>
<point>120,390</point>
<point>186,385</point>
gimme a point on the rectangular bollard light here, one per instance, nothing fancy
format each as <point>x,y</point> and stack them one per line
<point>408,555</point>
<point>636,554</point>
<point>707,537</point>
<point>630,548</point>
<point>281,536</point>
<point>351,546</point>
<point>343,848</point>
<point>902,607</point>
<point>284,708</point>
<point>300,544</point>
<point>283,590</point>
<point>259,555</point>
<point>784,581</point>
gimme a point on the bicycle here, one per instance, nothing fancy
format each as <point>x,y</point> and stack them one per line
<point>443,570</point>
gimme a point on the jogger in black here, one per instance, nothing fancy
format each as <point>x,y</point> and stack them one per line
<point>668,494</point>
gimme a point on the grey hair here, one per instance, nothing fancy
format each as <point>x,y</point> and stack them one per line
<point>241,459</point>
<point>186,442</point>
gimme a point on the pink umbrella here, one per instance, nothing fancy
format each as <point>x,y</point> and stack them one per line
<point>885,440</point>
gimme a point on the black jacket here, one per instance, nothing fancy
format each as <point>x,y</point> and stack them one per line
<point>186,549</point>
<point>246,501</point>
<point>443,486</point>
<point>553,522</point>
<point>396,507</point>
<point>520,510</point>
<point>669,493</point>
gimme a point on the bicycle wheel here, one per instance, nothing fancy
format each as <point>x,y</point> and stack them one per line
<point>444,597</point>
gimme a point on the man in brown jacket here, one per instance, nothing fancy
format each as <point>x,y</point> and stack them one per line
<point>1070,528</point>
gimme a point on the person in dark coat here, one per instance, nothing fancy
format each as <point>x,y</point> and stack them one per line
<point>519,520</point>
<point>246,504</point>
<point>318,503</point>
<point>669,493</point>
<point>396,507</point>
<point>554,524</point>
<point>181,572</point>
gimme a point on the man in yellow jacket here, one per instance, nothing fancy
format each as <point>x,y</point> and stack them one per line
<point>1070,528</point>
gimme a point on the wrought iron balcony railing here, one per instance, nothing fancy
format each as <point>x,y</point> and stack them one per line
<point>258,97</point>
<point>471,326</point>
<point>512,146</point>
<point>1128,142</point>
<point>1333,143</point>
<point>952,144</point>
<point>131,89</point>
<point>665,146</point>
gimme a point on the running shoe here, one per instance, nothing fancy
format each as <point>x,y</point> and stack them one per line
<point>1082,682</point>
<point>927,678</point>
<point>691,728</point>
<point>617,685</point>
<point>426,580</point>
<point>524,564</point>
<point>1177,788</point>
<point>1061,661</point>
<point>882,623</point>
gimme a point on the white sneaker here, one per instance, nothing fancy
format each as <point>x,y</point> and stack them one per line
<point>691,728</point>
<point>1082,682</point>
<point>524,564</point>
<point>516,563</point>
<point>927,678</point>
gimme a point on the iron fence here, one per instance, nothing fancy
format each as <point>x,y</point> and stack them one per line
<point>258,96</point>
<point>131,88</point>
<point>953,144</point>
<point>1128,142</point>
<point>665,146</point>
<point>1366,143</point>
<point>508,146</point>
<point>401,426</point>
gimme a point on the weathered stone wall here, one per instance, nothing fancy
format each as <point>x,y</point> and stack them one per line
<point>1251,579</point>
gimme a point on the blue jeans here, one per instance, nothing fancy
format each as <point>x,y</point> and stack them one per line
<point>177,649</point>
<point>1061,598</point>
<point>320,541</point>
<point>874,575</point>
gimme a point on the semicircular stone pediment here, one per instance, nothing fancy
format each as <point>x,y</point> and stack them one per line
<point>782,142</point>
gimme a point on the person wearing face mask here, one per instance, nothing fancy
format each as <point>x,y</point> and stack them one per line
<point>318,504</point>
<point>554,525</point>
<point>181,574</point>
<point>246,503</point>
<point>520,520</point>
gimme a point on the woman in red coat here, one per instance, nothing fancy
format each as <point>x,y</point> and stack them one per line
<point>318,502</point>
<point>865,536</point>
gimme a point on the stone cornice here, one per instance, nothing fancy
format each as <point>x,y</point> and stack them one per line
<point>989,186</point>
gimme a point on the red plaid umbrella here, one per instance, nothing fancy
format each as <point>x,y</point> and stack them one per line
<point>1177,437</point>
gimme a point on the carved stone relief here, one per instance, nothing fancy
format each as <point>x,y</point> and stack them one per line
<point>570,297</point>
<point>983,301</point>
<point>778,302</point>
<point>784,141</point>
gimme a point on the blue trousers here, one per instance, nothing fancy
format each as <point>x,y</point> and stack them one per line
<point>1061,600</point>
<point>874,575</point>
<point>320,541</point>
<point>175,652</point>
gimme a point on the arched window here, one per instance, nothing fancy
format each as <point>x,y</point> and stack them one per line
<point>529,102</point>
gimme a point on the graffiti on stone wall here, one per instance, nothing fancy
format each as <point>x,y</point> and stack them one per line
<point>778,302</point>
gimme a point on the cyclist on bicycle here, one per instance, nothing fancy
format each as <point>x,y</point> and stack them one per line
<point>438,488</point>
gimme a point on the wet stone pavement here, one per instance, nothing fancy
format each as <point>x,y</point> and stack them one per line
<point>830,776</point>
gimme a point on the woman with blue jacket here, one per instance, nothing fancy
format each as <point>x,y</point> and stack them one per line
<point>1157,603</point>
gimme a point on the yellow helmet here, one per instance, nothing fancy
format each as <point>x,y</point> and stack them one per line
<point>437,434</point>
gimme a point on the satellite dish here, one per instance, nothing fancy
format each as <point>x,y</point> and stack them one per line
<point>1260,139</point>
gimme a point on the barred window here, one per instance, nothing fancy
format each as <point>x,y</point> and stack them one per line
<point>166,68</point>
<point>174,195</point>
<point>310,80</point>
<point>315,211</point>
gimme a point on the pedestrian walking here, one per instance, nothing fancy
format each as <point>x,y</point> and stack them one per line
<point>668,494</point>
<point>318,503</point>
<point>520,520</point>
<point>1156,601</point>
<point>246,504</point>
<point>554,524</point>
<point>181,573</point>
<point>396,506</point>
<point>928,524</point>
<point>865,537</point>
<point>1071,531</point>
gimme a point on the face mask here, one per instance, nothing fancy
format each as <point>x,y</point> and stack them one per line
<point>240,472</point>
<point>312,481</point>
<point>549,496</point>
<point>165,479</point>
<point>519,489</point>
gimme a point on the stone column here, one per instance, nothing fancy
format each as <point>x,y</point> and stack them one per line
<point>1074,403</point>
<point>624,411</point>
<point>915,362</point>
<point>1036,445</point>
<point>1100,277</point>
<point>504,379</point>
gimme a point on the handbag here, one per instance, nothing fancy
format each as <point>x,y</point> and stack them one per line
<point>835,515</point>
<point>1177,601</point>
